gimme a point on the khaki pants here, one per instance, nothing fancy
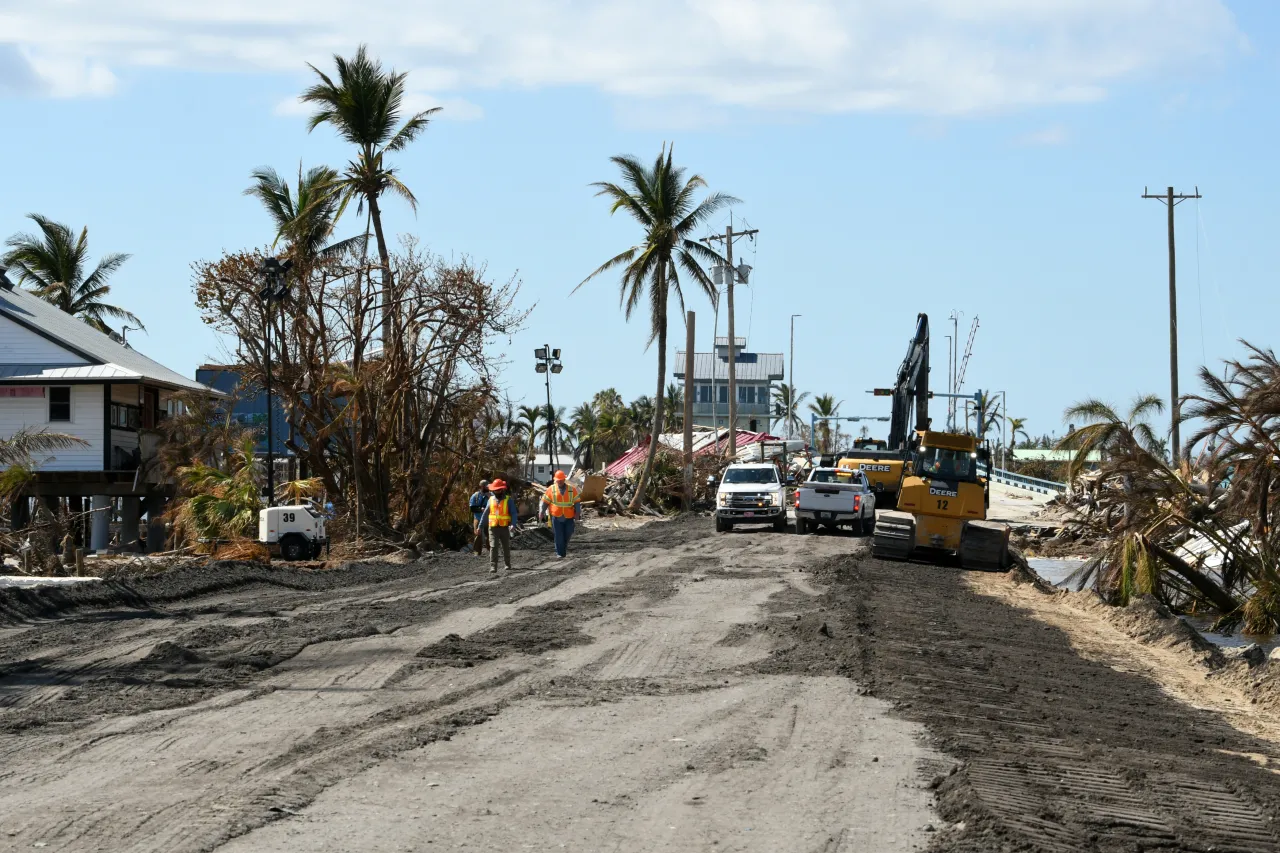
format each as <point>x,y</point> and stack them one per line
<point>480,538</point>
<point>500,539</point>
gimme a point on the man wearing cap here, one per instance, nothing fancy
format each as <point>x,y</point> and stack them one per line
<point>480,535</point>
<point>499,517</point>
<point>562,500</point>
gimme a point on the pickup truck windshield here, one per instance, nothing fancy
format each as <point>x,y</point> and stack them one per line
<point>948,464</point>
<point>755,476</point>
<point>832,477</point>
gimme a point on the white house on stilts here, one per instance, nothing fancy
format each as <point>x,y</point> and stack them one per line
<point>59,374</point>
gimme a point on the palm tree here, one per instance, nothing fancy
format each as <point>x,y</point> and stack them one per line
<point>304,218</point>
<point>786,398</point>
<point>675,404</point>
<point>664,203</point>
<point>1017,426</point>
<point>526,425</point>
<point>825,406</point>
<point>640,413</point>
<point>364,107</point>
<point>18,455</point>
<point>560,430</point>
<point>986,411</point>
<point>607,399</point>
<point>221,504</point>
<point>586,425</point>
<point>52,263</point>
<point>1106,431</point>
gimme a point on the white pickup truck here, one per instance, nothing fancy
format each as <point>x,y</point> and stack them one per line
<point>750,493</point>
<point>833,497</point>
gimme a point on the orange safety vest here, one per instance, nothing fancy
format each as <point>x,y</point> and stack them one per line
<point>500,512</point>
<point>562,503</point>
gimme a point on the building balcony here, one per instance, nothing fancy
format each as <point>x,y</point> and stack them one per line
<point>753,410</point>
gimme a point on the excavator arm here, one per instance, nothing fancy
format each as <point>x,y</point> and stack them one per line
<point>911,388</point>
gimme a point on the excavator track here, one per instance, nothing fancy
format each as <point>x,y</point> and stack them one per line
<point>984,545</point>
<point>895,535</point>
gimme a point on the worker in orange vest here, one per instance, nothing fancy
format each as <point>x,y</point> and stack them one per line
<point>562,501</point>
<point>500,516</point>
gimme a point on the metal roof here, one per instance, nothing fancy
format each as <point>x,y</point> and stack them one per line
<point>738,343</point>
<point>65,373</point>
<point>751,366</point>
<point>115,360</point>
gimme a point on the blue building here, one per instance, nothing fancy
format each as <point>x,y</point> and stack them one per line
<point>248,405</point>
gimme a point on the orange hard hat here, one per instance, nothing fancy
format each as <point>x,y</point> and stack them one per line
<point>497,484</point>
<point>560,475</point>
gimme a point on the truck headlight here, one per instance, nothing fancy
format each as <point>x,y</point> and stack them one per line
<point>724,500</point>
<point>775,499</point>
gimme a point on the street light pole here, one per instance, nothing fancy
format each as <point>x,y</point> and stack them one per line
<point>276,289</point>
<point>548,362</point>
<point>791,374</point>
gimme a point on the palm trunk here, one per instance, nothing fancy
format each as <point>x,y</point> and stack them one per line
<point>638,498</point>
<point>384,258</point>
<point>1212,592</point>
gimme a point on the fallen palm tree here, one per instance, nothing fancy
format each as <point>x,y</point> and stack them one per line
<point>1199,535</point>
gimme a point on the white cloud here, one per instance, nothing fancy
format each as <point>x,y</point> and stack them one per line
<point>929,57</point>
<point>1054,134</point>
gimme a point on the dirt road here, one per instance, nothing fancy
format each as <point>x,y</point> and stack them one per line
<point>663,689</point>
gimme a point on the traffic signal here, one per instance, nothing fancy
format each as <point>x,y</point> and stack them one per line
<point>883,392</point>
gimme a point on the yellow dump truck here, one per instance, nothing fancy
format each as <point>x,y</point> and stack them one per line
<point>942,506</point>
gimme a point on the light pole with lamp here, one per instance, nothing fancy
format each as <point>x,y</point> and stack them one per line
<point>791,379</point>
<point>275,289</point>
<point>548,362</point>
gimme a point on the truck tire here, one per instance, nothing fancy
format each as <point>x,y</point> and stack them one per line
<point>802,526</point>
<point>293,547</point>
<point>723,526</point>
<point>780,526</point>
<point>867,524</point>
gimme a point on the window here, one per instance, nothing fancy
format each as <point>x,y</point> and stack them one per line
<point>948,464</point>
<point>724,393</point>
<point>753,476</point>
<point>60,404</point>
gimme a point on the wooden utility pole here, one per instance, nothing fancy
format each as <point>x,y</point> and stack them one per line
<point>732,275</point>
<point>688,411</point>
<point>1171,201</point>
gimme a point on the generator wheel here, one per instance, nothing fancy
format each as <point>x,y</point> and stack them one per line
<point>294,547</point>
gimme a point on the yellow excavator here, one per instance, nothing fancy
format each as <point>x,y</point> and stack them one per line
<point>944,491</point>
<point>886,463</point>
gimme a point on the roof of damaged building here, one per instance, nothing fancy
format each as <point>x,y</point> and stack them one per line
<point>91,355</point>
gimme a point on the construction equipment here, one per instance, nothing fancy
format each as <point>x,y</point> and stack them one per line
<point>886,467</point>
<point>942,506</point>
<point>944,490</point>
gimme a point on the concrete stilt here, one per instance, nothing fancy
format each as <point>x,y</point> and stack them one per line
<point>130,520</point>
<point>101,525</point>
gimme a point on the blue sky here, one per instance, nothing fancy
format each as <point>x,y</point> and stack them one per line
<point>897,157</point>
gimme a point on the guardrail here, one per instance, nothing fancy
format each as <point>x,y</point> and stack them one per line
<point>1021,481</point>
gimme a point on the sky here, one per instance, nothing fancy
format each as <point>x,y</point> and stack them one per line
<point>979,157</point>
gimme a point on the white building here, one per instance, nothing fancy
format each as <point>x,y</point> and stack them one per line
<point>541,470</point>
<point>59,374</point>
<point>755,373</point>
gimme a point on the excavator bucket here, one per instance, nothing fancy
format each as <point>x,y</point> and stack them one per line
<point>895,535</point>
<point>984,545</point>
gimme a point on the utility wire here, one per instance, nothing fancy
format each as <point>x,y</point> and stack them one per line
<point>1204,358</point>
